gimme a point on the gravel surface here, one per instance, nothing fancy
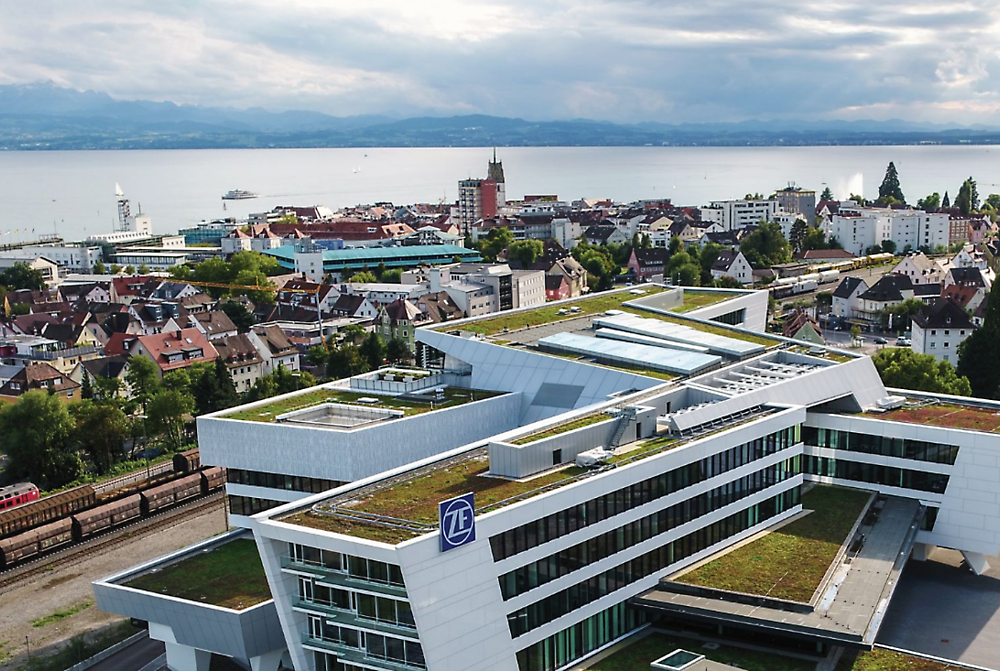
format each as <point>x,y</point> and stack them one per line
<point>69,586</point>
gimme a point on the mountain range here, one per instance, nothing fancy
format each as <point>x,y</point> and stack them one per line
<point>45,116</point>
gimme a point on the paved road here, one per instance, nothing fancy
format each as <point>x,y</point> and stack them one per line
<point>133,657</point>
<point>947,611</point>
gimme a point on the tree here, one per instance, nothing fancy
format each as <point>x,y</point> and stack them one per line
<point>18,309</point>
<point>99,268</point>
<point>903,313</point>
<point>890,186</point>
<point>373,350</point>
<point>115,268</point>
<point>130,270</point>
<point>499,239</point>
<point>102,429</point>
<point>860,200</point>
<point>239,314</point>
<point>967,199</point>
<point>709,253</point>
<point>397,351</point>
<point>345,361</point>
<point>87,389</point>
<point>904,368</point>
<point>525,251</point>
<point>22,276</point>
<point>318,355</point>
<point>727,282</point>
<point>993,200</point>
<point>364,277</point>
<point>855,331</point>
<point>394,276</point>
<point>213,389</point>
<point>143,379</point>
<point>827,194</point>
<point>931,203</point>
<point>766,246</point>
<point>281,381</point>
<point>35,433</point>
<point>688,275</point>
<point>166,415</point>
<point>798,233</point>
<point>979,356</point>
<point>946,201</point>
<point>815,238</point>
<point>143,269</point>
<point>889,246</point>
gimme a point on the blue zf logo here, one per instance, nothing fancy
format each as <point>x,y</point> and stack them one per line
<point>458,521</point>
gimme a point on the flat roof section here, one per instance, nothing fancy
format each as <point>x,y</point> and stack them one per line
<point>641,355</point>
<point>950,415</point>
<point>229,575</point>
<point>657,328</point>
<point>850,609</point>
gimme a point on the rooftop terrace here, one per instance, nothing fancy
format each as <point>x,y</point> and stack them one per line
<point>229,575</point>
<point>950,415</point>
<point>405,506</point>
<point>270,412</point>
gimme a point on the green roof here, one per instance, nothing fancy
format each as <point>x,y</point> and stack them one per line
<point>377,254</point>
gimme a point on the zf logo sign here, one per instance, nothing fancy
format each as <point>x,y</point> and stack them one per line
<point>458,521</point>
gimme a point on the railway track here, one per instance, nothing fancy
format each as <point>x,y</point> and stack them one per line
<point>21,573</point>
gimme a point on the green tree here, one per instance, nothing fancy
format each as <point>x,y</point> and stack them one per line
<point>394,276</point>
<point>99,268</point>
<point>889,246</point>
<point>36,434</point>
<point>397,351</point>
<point>281,381</point>
<point>166,414</point>
<point>726,282</point>
<point>373,351</point>
<point>115,268</point>
<point>18,309</point>
<point>363,277</point>
<point>688,275</point>
<point>345,361</point>
<point>239,314</point>
<point>902,367</point>
<point>525,251</point>
<point>903,313</point>
<point>130,270</point>
<point>213,389</point>
<point>890,186</point>
<point>499,239</point>
<point>22,276</point>
<point>102,429</point>
<point>979,356</point>
<point>706,258</point>
<point>142,378</point>
<point>931,203</point>
<point>855,331</point>
<point>318,355</point>
<point>815,238</point>
<point>860,200</point>
<point>87,388</point>
<point>993,200</point>
<point>827,194</point>
<point>967,199</point>
<point>143,269</point>
<point>766,246</point>
<point>797,235</point>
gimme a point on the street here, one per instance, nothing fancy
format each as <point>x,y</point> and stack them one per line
<point>842,339</point>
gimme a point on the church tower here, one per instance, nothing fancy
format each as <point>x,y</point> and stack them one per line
<point>495,173</point>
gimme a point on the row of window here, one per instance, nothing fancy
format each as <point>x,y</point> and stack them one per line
<point>886,446</point>
<point>734,318</point>
<point>373,645</point>
<point>525,578</point>
<point>293,483</point>
<point>876,474</point>
<point>548,528</point>
<point>359,568</point>
<point>579,595</point>
<point>364,606</point>
<point>580,639</point>
<point>325,661</point>
<point>249,505</point>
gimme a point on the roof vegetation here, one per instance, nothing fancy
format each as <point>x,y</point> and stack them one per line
<point>950,415</point>
<point>789,562</point>
<point>558,429</point>
<point>230,576</point>
<point>696,300</point>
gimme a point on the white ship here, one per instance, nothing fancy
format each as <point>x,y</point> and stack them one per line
<point>239,194</point>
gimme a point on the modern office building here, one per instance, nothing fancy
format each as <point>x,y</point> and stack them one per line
<point>550,515</point>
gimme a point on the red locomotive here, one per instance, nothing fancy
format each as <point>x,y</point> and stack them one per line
<point>15,495</point>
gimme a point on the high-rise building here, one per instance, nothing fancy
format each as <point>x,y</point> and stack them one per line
<point>481,198</point>
<point>796,200</point>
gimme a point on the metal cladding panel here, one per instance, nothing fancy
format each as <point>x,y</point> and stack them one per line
<point>648,356</point>
<point>680,333</point>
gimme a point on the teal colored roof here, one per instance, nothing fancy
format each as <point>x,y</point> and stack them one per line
<point>375,255</point>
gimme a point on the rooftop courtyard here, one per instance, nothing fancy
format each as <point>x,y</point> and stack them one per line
<point>949,415</point>
<point>408,404</point>
<point>229,575</point>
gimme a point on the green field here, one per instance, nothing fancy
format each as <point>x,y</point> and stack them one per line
<point>788,563</point>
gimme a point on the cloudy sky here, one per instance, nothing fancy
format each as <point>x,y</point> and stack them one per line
<point>628,60</point>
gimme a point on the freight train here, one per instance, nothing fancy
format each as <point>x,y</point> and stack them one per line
<point>76,517</point>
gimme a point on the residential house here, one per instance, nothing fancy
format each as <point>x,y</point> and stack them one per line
<point>399,319</point>
<point>274,348</point>
<point>439,307</point>
<point>890,290</point>
<point>801,326</point>
<point>928,293</point>
<point>605,234</point>
<point>105,367</point>
<point>349,305</point>
<point>215,324</point>
<point>125,289</point>
<point>557,288</point>
<point>732,263</point>
<point>966,277</point>
<point>647,263</point>
<point>825,256</point>
<point>88,293</point>
<point>40,375</point>
<point>47,267</point>
<point>154,318</point>
<point>242,359</point>
<point>920,269</point>
<point>968,298</point>
<point>939,329</point>
<point>174,350</point>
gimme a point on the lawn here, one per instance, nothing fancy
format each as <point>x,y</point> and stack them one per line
<point>695,300</point>
<point>230,576</point>
<point>788,563</point>
<point>548,315</point>
<point>565,427</point>
<point>950,415</point>
<point>268,413</point>
<point>417,499</point>
<point>638,656</point>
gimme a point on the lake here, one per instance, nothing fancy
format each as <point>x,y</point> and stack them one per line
<point>72,193</point>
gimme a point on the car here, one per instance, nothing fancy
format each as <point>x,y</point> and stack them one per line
<point>903,342</point>
<point>879,340</point>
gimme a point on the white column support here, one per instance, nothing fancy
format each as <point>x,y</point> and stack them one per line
<point>267,662</point>
<point>921,551</point>
<point>185,658</point>
<point>976,561</point>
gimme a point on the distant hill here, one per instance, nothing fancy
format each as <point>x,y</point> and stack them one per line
<point>45,116</point>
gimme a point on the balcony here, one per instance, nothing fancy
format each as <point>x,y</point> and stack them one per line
<point>337,578</point>
<point>357,656</point>
<point>347,618</point>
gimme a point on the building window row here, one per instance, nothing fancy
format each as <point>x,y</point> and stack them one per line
<point>358,568</point>
<point>293,483</point>
<point>525,578</point>
<point>876,474</point>
<point>363,606</point>
<point>579,595</point>
<point>580,639</point>
<point>886,446</point>
<point>734,318</point>
<point>566,521</point>
<point>371,645</point>
<point>249,505</point>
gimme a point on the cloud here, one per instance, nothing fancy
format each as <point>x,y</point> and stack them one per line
<point>627,60</point>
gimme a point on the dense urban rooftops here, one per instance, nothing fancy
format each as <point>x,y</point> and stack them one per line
<point>270,412</point>
<point>791,561</point>
<point>406,506</point>
<point>949,415</point>
<point>229,575</point>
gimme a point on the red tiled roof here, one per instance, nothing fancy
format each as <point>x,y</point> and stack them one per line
<point>184,341</point>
